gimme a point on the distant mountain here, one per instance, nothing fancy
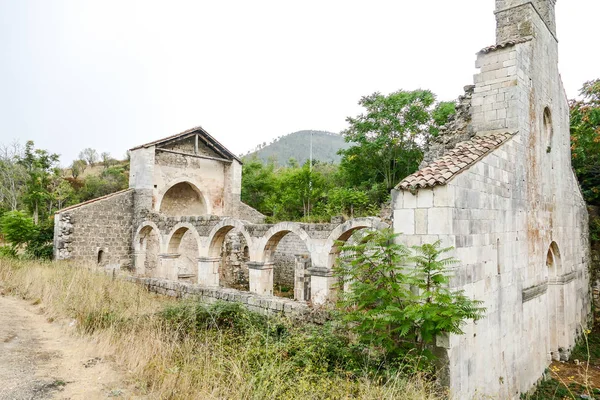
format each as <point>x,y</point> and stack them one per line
<point>297,145</point>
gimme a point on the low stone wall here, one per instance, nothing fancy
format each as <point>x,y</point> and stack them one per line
<point>261,304</point>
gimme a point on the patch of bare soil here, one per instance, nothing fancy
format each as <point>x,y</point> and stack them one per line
<point>45,360</point>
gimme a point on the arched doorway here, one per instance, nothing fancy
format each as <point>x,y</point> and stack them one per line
<point>183,250</point>
<point>147,250</point>
<point>183,199</point>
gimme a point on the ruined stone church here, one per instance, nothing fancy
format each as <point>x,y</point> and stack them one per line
<point>496,184</point>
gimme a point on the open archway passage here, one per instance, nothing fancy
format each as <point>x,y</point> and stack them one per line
<point>183,199</point>
<point>291,259</point>
<point>184,244</point>
<point>148,251</point>
<point>233,268</point>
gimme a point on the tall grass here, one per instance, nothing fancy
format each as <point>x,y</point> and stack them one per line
<point>184,350</point>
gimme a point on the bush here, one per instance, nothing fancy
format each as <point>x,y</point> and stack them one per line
<point>19,231</point>
<point>394,307</point>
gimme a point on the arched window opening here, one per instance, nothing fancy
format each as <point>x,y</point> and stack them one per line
<point>548,130</point>
<point>183,199</point>
<point>101,258</point>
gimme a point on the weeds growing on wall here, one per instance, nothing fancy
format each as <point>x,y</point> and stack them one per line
<point>183,350</point>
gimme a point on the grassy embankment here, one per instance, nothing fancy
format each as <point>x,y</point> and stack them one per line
<point>183,350</point>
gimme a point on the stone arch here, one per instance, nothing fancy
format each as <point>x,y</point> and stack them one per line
<point>289,266</point>
<point>277,232</point>
<point>147,246</point>
<point>217,236</point>
<point>554,260</point>
<point>344,231</point>
<point>182,197</point>
<point>227,247</point>
<point>183,247</point>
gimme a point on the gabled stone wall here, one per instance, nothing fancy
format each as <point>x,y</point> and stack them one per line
<point>102,227</point>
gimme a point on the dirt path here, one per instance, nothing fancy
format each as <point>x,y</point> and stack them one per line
<point>43,360</point>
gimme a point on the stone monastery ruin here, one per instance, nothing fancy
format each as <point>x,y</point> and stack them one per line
<point>497,185</point>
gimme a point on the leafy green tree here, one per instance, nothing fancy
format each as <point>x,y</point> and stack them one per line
<point>393,306</point>
<point>441,115</point>
<point>40,166</point>
<point>258,183</point>
<point>20,231</point>
<point>387,139</point>
<point>585,140</point>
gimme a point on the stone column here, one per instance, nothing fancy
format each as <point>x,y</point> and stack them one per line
<point>322,284</point>
<point>139,258</point>
<point>302,278</point>
<point>261,277</point>
<point>168,266</point>
<point>208,271</point>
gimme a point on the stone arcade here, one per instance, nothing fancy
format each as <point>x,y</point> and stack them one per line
<point>497,185</point>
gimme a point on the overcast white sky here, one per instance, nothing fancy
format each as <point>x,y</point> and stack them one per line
<point>113,74</point>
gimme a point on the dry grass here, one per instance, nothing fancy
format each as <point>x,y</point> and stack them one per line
<point>175,350</point>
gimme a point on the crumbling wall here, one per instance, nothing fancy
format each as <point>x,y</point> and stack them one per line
<point>100,227</point>
<point>458,129</point>
<point>233,271</point>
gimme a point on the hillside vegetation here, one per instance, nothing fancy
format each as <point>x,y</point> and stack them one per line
<point>297,146</point>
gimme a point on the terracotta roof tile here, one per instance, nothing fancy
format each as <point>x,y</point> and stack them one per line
<point>508,43</point>
<point>465,154</point>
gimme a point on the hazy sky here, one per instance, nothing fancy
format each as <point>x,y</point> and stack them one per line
<point>113,74</point>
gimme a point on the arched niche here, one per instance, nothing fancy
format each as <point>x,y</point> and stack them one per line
<point>183,199</point>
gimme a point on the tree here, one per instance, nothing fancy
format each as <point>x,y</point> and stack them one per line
<point>387,139</point>
<point>393,306</point>
<point>258,182</point>
<point>585,140</point>
<point>12,177</point>
<point>89,155</point>
<point>40,167</point>
<point>77,168</point>
<point>107,160</point>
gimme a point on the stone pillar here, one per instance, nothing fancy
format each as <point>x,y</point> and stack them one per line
<point>322,284</point>
<point>139,258</point>
<point>261,277</point>
<point>168,266</point>
<point>302,278</point>
<point>208,271</point>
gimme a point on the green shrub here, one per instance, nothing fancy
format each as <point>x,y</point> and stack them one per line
<point>394,307</point>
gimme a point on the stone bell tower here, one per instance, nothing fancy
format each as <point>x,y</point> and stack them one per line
<point>515,18</point>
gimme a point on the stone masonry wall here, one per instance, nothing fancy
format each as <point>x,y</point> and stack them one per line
<point>256,303</point>
<point>285,260</point>
<point>104,224</point>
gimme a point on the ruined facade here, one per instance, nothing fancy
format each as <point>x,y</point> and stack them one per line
<point>496,185</point>
<point>505,196</point>
<point>182,220</point>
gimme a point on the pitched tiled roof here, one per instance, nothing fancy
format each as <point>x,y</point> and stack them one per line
<point>205,136</point>
<point>465,154</point>
<point>508,43</point>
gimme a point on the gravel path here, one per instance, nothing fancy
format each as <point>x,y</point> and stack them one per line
<point>43,360</point>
